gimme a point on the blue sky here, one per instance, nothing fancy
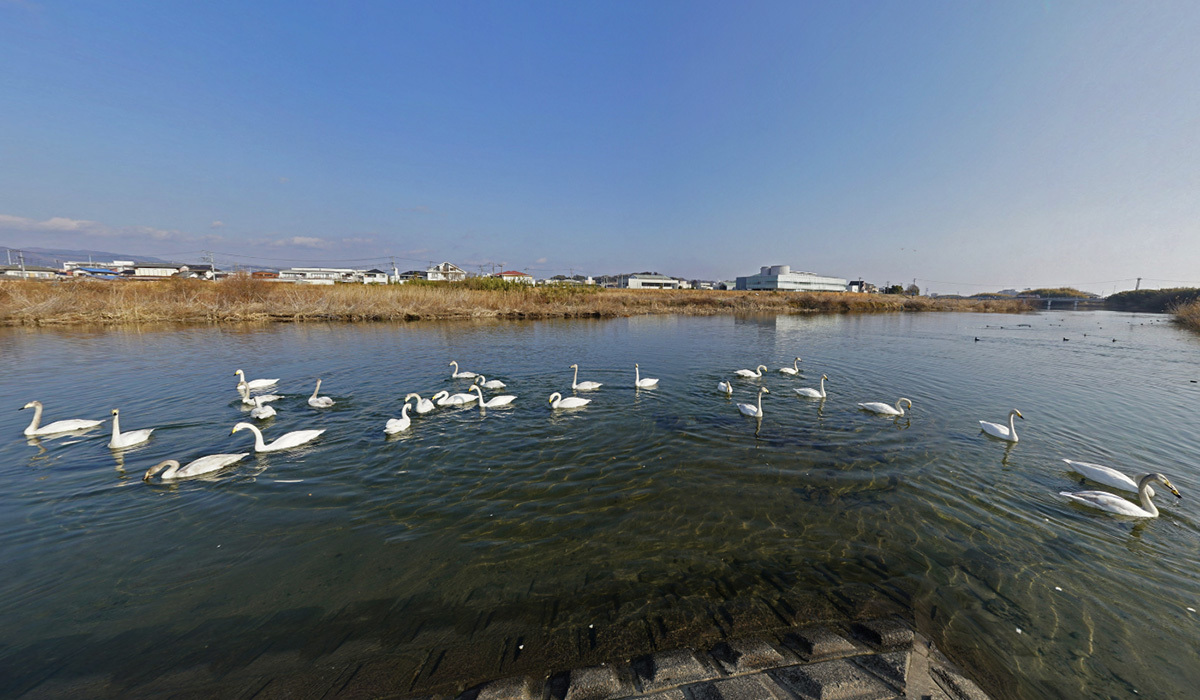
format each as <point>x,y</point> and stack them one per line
<point>971,146</point>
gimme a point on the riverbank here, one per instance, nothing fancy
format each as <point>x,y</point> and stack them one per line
<point>241,300</point>
<point>1188,315</point>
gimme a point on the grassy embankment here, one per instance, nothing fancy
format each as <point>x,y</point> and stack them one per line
<point>242,299</point>
<point>1181,302</point>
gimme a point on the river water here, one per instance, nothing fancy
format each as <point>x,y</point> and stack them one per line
<point>649,519</point>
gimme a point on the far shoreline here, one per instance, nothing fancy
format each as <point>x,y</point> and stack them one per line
<point>242,300</point>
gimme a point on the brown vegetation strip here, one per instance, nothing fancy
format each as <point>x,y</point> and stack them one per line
<point>242,299</point>
<point>1188,315</point>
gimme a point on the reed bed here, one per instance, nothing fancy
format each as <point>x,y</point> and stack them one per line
<point>1188,315</point>
<point>241,299</point>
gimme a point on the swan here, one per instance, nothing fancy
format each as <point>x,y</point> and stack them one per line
<point>422,405</point>
<point>461,375</point>
<point>494,384</point>
<point>884,409</point>
<point>752,410</point>
<point>751,374</point>
<point>58,426</point>
<point>249,400</point>
<point>495,401</point>
<point>1106,475</point>
<point>319,401</point>
<point>557,401</point>
<point>583,386</point>
<point>129,439</point>
<point>642,383</point>
<point>204,465</point>
<point>725,388</point>
<point>284,442</point>
<point>811,393</point>
<point>398,425</point>
<point>261,412</point>
<point>794,369</point>
<point>445,398</point>
<point>255,383</point>
<point>1003,432</point>
<point>1116,504</point>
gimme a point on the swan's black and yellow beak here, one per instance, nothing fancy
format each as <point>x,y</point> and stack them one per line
<point>1020,416</point>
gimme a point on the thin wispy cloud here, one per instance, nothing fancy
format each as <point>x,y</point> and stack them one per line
<point>84,229</point>
<point>217,224</point>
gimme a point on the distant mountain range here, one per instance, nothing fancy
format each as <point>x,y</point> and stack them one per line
<point>50,257</point>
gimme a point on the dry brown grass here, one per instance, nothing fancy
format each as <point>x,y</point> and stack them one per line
<point>1188,315</point>
<point>239,299</point>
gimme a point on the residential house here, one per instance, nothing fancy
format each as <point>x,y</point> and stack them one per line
<point>445,272</point>
<point>514,276</point>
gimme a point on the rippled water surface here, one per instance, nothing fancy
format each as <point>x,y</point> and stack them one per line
<point>648,519</point>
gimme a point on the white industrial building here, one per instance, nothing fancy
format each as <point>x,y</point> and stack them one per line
<point>781,278</point>
<point>331,275</point>
<point>643,281</point>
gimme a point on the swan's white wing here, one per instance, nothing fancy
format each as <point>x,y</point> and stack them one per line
<point>811,393</point>
<point>1105,475</point>
<point>748,409</point>
<point>133,437</point>
<point>1000,431</point>
<point>66,426</point>
<point>587,386</point>
<point>500,401</point>
<point>293,439</point>
<point>397,425</point>
<point>877,407</point>
<point>1107,502</point>
<point>204,465</point>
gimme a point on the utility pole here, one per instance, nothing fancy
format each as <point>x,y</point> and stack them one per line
<point>9,256</point>
<point>21,257</point>
<point>1139,284</point>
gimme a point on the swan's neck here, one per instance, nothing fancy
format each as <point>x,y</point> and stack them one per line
<point>37,419</point>
<point>116,425</point>
<point>317,390</point>
<point>576,379</point>
<point>760,403</point>
<point>404,411</point>
<point>898,407</point>
<point>796,364</point>
<point>1144,497</point>
<point>258,438</point>
<point>637,375</point>
<point>1012,426</point>
<point>822,387</point>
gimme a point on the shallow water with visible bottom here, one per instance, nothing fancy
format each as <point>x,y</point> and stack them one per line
<point>647,519</point>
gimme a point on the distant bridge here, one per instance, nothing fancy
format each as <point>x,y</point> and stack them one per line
<point>1087,302</point>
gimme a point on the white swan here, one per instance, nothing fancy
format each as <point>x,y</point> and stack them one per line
<point>811,393</point>
<point>884,409</point>
<point>557,401</point>
<point>398,425</point>
<point>319,401</point>
<point>494,384</point>
<point>249,400</point>
<point>1003,432</point>
<point>493,402</point>
<point>445,398</point>
<point>725,388</point>
<point>284,442</point>
<point>750,409</point>
<point>756,373</point>
<point>255,383</point>
<point>1105,475</point>
<point>794,369</point>
<point>1116,504</point>
<point>58,426</point>
<point>640,383</point>
<point>461,375</point>
<point>204,465</point>
<point>422,405</point>
<point>129,439</point>
<point>261,412</point>
<point>583,386</point>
